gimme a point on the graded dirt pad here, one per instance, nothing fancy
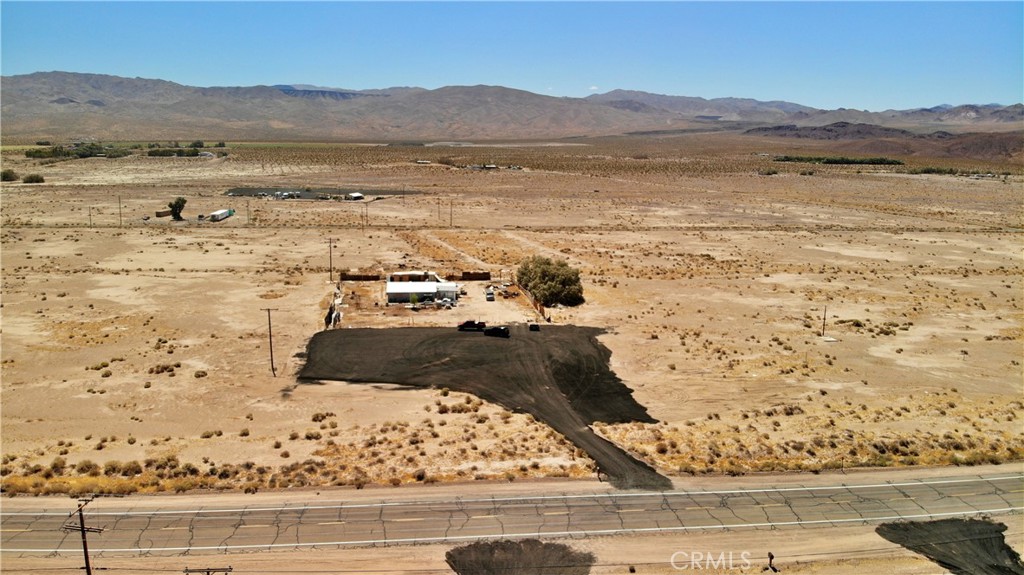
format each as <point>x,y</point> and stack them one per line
<point>559,375</point>
<point>964,546</point>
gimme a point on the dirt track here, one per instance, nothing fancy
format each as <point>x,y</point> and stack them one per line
<point>560,375</point>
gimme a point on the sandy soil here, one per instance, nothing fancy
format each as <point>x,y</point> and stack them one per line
<point>711,281</point>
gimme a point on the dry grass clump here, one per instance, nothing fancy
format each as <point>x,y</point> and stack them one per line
<point>466,440</point>
<point>816,437</point>
<point>153,475</point>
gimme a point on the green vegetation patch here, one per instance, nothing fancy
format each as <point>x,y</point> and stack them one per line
<point>551,282</point>
<point>840,160</point>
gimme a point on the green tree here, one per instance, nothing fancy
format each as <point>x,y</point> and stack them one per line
<point>8,175</point>
<point>177,206</point>
<point>551,282</point>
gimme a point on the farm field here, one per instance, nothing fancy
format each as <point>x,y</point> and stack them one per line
<point>135,351</point>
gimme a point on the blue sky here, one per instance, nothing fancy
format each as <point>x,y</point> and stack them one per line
<point>864,55</point>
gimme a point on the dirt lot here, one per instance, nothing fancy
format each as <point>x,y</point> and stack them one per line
<point>559,375</point>
<point>135,351</point>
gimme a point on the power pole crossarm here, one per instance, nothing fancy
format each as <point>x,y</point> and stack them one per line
<point>83,530</point>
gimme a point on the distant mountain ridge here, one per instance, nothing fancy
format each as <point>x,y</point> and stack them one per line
<point>53,105</point>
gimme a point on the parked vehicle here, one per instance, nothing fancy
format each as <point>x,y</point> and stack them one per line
<point>497,331</point>
<point>534,327</point>
<point>470,325</point>
<point>490,296</point>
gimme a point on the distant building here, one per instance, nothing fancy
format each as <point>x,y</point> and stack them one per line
<point>354,196</point>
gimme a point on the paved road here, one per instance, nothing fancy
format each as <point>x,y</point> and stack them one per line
<point>177,528</point>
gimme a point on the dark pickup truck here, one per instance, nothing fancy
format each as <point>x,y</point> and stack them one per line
<point>470,325</point>
<point>497,331</point>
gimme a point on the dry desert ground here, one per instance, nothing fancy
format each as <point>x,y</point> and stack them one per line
<point>135,352</point>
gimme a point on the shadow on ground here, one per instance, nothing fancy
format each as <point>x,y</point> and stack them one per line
<point>963,546</point>
<point>527,557</point>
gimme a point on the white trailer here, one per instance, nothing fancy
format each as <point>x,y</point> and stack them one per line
<point>221,215</point>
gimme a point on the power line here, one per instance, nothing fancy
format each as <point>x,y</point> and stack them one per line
<point>83,530</point>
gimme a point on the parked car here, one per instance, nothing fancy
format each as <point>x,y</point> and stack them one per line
<point>470,325</point>
<point>534,327</point>
<point>497,331</point>
<point>490,296</point>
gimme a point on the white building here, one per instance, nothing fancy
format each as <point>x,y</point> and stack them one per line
<point>403,287</point>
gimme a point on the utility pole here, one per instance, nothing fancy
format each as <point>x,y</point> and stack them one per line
<point>119,219</point>
<point>824,316</point>
<point>270,335</point>
<point>330,257</point>
<point>90,216</point>
<point>83,530</point>
<point>451,210</point>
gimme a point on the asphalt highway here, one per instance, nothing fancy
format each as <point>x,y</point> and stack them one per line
<point>176,527</point>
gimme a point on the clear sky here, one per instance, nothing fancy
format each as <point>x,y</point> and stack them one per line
<point>864,55</point>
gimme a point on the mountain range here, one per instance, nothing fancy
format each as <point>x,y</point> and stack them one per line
<point>63,105</point>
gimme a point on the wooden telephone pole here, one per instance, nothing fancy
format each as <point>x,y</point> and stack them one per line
<point>83,530</point>
<point>330,258</point>
<point>270,335</point>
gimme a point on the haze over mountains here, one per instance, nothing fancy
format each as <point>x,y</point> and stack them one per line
<point>56,105</point>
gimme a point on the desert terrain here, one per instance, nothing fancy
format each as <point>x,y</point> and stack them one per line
<point>770,317</point>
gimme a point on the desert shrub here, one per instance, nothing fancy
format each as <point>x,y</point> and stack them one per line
<point>33,179</point>
<point>87,467</point>
<point>58,465</point>
<point>8,176</point>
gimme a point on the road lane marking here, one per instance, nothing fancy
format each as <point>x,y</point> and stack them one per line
<point>491,500</point>
<point>630,510</point>
<point>591,532</point>
<point>172,528</point>
<point>245,526</point>
<point>407,519</point>
<point>14,530</point>
<point>332,523</point>
<point>482,516</point>
<point>556,513</point>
